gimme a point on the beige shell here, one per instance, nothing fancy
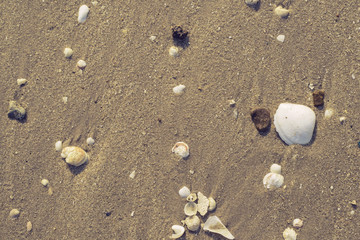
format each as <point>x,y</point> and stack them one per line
<point>74,156</point>
<point>14,213</point>
<point>203,204</point>
<point>212,204</point>
<point>181,149</point>
<point>178,231</point>
<point>298,223</point>
<point>213,224</point>
<point>192,223</point>
<point>190,209</point>
<point>192,197</point>
<point>281,12</point>
<point>289,234</point>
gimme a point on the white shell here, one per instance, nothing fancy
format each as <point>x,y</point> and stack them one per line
<point>28,226</point>
<point>203,204</point>
<point>132,175</point>
<point>212,204</point>
<point>178,231</point>
<point>190,209</point>
<point>192,223</point>
<point>281,12</point>
<point>45,182</point>
<point>251,2</point>
<point>81,64</point>
<point>275,168</point>
<point>298,223</point>
<point>58,146</point>
<point>174,51</point>
<point>289,234</point>
<point>21,81</point>
<point>213,224</point>
<point>294,123</point>
<point>184,192</point>
<point>83,13</point>
<point>181,149</point>
<point>178,90</point>
<point>14,213</point>
<point>90,141</point>
<point>192,197</point>
<point>280,38</point>
<point>68,52</point>
<point>273,180</point>
<point>328,113</point>
<point>74,156</point>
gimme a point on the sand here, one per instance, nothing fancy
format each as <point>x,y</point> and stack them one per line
<point>124,100</point>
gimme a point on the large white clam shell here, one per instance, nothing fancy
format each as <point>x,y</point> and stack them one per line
<point>184,192</point>
<point>273,180</point>
<point>178,231</point>
<point>294,123</point>
<point>213,224</point>
<point>190,209</point>
<point>74,156</point>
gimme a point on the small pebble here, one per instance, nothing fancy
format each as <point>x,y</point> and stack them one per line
<point>281,38</point>
<point>81,64</point>
<point>311,86</point>
<point>174,51</point>
<point>251,2</point>
<point>275,168</point>
<point>45,182</point>
<point>132,174</point>
<point>328,113</point>
<point>83,13</point>
<point>16,111</point>
<point>28,226</point>
<point>58,146</point>
<point>152,38</point>
<point>132,213</point>
<point>261,119</point>
<point>232,103</point>
<point>281,12</point>
<point>21,81</point>
<point>178,90</point>
<point>318,97</point>
<point>65,99</point>
<point>342,120</point>
<point>90,141</point>
<point>353,76</point>
<point>298,223</point>
<point>14,213</point>
<point>68,52</point>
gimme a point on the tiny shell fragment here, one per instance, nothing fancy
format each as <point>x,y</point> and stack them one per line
<point>178,231</point>
<point>14,213</point>
<point>68,52</point>
<point>81,64</point>
<point>281,12</point>
<point>21,81</point>
<point>192,197</point>
<point>16,111</point>
<point>178,90</point>
<point>90,141</point>
<point>45,182</point>
<point>298,223</point>
<point>58,146</point>
<point>192,223</point>
<point>28,226</point>
<point>83,13</point>
<point>273,180</point>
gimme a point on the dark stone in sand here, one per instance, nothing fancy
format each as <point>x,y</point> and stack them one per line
<point>318,97</point>
<point>16,111</point>
<point>179,34</point>
<point>261,119</point>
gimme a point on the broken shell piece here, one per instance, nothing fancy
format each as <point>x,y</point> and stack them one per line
<point>251,2</point>
<point>275,168</point>
<point>184,192</point>
<point>58,146</point>
<point>298,223</point>
<point>181,149</point>
<point>14,213</point>
<point>281,12</point>
<point>178,90</point>
<point>192,197</point>
<point>74,156</point>
<point>178,231</point>
<point>213,224</point>
<point>190,209</point>
<point>289,234</point>
<point>212,204</point>
<point>90,141</point>
<point>203,204</point>
<point>280,38</point>
<point>45,182</point>
<point>174,51</point>
<point>328,113</point>
<point>83,13</point>
<point>81,64</point>
<point>21,81</point>
<point>273,180</point>
<point>68,52</point>
<point>192,223</point>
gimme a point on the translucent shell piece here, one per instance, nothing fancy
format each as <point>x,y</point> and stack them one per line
<point>178,231</point>
<point>273,180</point>
<point>192,223</point>
<point>74,156</point>
<point>213,224</point>
<point>181,149</point>
<point>190,209</point>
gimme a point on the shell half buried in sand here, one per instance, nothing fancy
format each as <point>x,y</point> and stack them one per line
<point>213,224</point>
<point>203,204</point>
<point>181,149</point>
<point>74,156</point>
<point>178,231</point>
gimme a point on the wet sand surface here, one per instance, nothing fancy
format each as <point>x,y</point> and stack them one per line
<point>124,100</point>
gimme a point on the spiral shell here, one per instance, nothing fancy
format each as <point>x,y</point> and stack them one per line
<point>74,156</point>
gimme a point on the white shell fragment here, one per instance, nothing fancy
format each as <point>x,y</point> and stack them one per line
<point>21,81</point>
<point>68,52</point>
<point>174,51</point>
<point>132,175</point>
<point>83,13</point>
<point>192,223</point>
<point>213,224</point>
<point>280,38</point>
<point>152,38</point>
<point>28,226</point>
<point>251,2</point>
<point>178,90</point>
<point>298,223</point>
<point>289,234</point>
<point>58,146</point>
<point>281,12</point>
<point>74,156</point>
<point>192,197</point>
<point>294,123</point>
<point>275,168</point>
<point>328,113</point>
<point>178,231</point>
<point>181,149</point>
<point>81,64</point>
<point>184,192</point>
<point>212,204</point>
<point>90,141</point>
<point>14,213</point>
<point>272,181</point>
<point>45,182</point>
<point>190,209</point>
<point>203,204</point>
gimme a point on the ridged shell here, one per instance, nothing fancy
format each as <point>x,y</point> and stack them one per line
<point>203,204</point>
<point>190,209</point>
<point>74,156</point>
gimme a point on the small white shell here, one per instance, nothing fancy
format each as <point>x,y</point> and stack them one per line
<point>192,223</point>
<point>275,168</point>
<point>45,182</point>
<point>90,141</point>
<point>81,64</point>
<point>213,224</point>
<point>181,149</point>
<point>68,52</point>
<point>190,209</point>
<point>273,180</point>
<point>289,234</point>
<point>251,2</point>
<point>178,90</point>
<point>58,146</point>
<point>21,81</point>
<point>203,204</point>
<point>132,175</point>
<point>294,123</point>
<point>178,231</point>
<point>83,13</point>
<point>28,226</point>
<point>74,156</point>
<point>184,192</point>
<point>14,213</point>
<point>212,204</point>
<point>280,38</point>
<point>174,51</point>
<point>298,223</point>
<point>281,12</point>
<point>328,113</point>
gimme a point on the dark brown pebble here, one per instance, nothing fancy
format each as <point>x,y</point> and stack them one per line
<point>179,34</point>
<point>261,119</point>
<point>318,97</point>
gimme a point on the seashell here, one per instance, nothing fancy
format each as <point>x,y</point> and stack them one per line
<point>181,149</point>
<point>328,113</point>
<point>294,123</point>
<point>174,51</point>
<point>273,180</point>
<point>58,146</point>
<point>203,204</point>
<point>83,13</point>
<point>178,231</point>
<point>251,2</point>
<point>280,38</point>
<point>45,182</point>
<point>74,156</point>
<point>178,90</point>
<point>21,81</point>
<point>275,168</point>
<point>81,64</point>
<point>212,204</point>
<point>184,192</point>
<point>289,234</point>
<point>28,226</point>
<point>90,141</point>
<point>14,213</point>
<point>213,224</point>
<point>68,52</point>
<point>192,197</point>
<point>192,223</point>
<point>190,209</point>
<point>281,12</point>
<point>298,223</point>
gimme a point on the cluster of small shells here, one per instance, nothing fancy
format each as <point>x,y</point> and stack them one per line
<point>274,179</point>
<point>199,203</point>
